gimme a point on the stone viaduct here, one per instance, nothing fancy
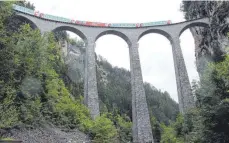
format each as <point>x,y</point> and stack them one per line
<point>141,121</point>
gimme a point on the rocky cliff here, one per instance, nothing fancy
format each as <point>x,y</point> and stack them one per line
<point>74,59</point>
<point>210,43</point>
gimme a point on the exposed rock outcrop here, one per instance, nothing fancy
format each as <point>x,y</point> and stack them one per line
<point>74,59</point>
<point>210,43</point>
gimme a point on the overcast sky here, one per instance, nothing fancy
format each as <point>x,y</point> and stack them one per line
<point>154,49</point>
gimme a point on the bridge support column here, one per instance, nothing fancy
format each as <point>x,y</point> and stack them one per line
<point>142,131</point>
<point>186,99</point>
<point>90,82</point>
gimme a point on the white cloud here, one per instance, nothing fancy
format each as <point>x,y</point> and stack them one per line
<point>155,50</point>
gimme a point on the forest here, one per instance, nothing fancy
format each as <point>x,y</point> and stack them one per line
<point>35,88</point>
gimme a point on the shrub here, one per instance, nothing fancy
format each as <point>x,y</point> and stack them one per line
<point>103,130</point>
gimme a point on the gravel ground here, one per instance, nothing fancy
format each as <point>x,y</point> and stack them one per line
<point>47,135</point>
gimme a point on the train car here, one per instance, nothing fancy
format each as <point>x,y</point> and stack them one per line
<point>131,25</point>
<point>107,25</point>
<point>122,25</point>
<point>139,25</point>
<point>97,24</point>
<point>36,13</point>
<point>79,22</point>
<point>23,9</point>
<point>154,23</point>
<point>169,22</point>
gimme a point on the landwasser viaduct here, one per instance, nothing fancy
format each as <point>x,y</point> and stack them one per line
<point>141,129</point>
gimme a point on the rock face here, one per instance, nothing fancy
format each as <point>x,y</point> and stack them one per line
<point>74,58</point>
<point>202,52</point>
<point>210,43</point>
<point>102,73</point>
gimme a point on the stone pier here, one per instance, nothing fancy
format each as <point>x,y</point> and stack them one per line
<point>142,132</point>
<point>186,99</point>
<point>90,83</point>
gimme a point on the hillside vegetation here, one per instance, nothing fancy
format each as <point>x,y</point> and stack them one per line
<point>35,88</point>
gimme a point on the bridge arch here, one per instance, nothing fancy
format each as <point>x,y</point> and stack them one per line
<point>74,30</point>
<point>155,47</point>
<point>114,32</point>
<point>194,24</point>
<point>157,31</point>
<point>23,18</point>
<point>110,51</point>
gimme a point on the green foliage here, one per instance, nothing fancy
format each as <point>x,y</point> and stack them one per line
<point>25,4</point>
<point>64,110</point>
<point>193,126</point>
<point>214,106</point>
<point>114,89</point>
<point>156,129</point>
<point>75,42</point>
<point>161,106</point>
<point>28,62</point>
<point>209,122</point>
<point>175,132</point>
<point>30,110</point>
<point>103,130</point>
<point>5,13</point>
<point>115,94</point>
<point>178,125</point>
<point>8,111</point>
<point>61,35</point>
<point>169,135</point>
<point>6,139</point>
<point>5,8</point>
<point>123,126</point>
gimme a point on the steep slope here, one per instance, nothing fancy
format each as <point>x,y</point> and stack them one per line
<point>210,43</point>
